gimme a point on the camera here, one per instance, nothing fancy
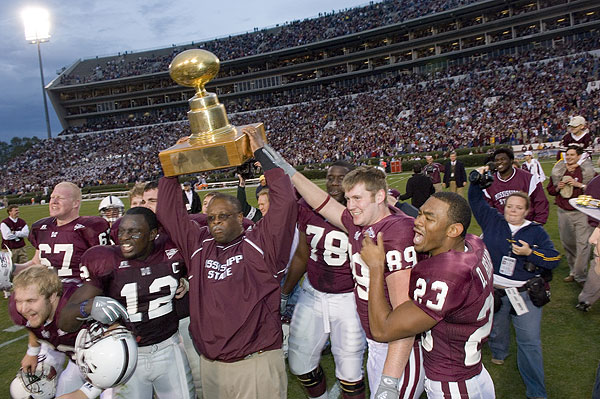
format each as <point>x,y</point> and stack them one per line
<point>483,180</point>
<point>246,170</point>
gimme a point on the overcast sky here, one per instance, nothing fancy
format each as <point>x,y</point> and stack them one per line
<point>84,29</point>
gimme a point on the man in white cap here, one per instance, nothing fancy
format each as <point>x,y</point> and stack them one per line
<point>533,166</point>
<point>577,134</point>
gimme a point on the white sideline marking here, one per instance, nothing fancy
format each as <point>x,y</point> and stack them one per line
<point>13,329</point>
<point>13,340</point>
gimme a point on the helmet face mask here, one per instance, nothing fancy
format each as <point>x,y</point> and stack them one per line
<point>106,356</point>
<point>41,384</point>
<point>111,208</point>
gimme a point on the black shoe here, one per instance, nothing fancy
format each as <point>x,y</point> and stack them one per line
<point>583,306</point>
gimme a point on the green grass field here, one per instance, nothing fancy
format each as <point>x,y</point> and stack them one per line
<point>570,338</point>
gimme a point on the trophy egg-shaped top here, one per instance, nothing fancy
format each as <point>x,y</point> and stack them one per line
<point>194,68</point>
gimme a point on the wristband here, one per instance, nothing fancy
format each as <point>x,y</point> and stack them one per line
<point>323,204</point>
<point>33,350</point>
<point>90,391</point>
<point>82,311</point>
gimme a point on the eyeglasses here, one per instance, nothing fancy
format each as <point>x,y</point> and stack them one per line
<point>221,217</point>
<point>135,236</point>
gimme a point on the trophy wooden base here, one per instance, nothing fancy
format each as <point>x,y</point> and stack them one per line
<point>209,154</point>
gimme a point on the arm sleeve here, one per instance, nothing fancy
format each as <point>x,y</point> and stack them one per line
<point>6,233</point>
<point>277,228</point>
<point>241,196</point>
<point>409,191</point>
<point>484,213</point>
<point>24,232</point>
<point>544,254</point>
<point>551,188</point>
<point>172,215</point>
<point>539,205</point>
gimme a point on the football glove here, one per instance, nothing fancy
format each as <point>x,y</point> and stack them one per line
<point>388,388</point>
<point>107,310</point>
<point>278,160</point>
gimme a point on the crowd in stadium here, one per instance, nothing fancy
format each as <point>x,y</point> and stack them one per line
<point>533,100</point>
<point>331,90</point>
<point>292,34</point>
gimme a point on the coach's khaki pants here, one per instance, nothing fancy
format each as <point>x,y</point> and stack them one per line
<point>19,255</point>
<point>453,188</point>
<point>574,232</point>
<point>259,377</point>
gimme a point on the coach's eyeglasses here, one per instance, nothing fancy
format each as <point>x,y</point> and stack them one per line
<point>221,217</point>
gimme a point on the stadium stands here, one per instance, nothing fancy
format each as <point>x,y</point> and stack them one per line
<point>534,102</point>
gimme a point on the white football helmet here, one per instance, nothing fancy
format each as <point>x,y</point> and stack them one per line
<point>40,384</point>
<point>111,208</point>
<point>6,270</point>
<point>106,356</point>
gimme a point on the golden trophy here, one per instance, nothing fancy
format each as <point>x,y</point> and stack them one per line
<point>214,143</point>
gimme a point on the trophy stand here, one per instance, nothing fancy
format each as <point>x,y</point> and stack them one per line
<point>214,143</point>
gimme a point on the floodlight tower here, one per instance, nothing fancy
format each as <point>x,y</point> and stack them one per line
<point>37,31</point>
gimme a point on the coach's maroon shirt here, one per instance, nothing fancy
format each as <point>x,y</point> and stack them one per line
<point>328,266</point>
<point>145,287</point>
<point>520,180</point>
<point>234,288</point>
<point>49,332</point>
<point>398,234</point>
<point>455,289</point>
<point>61,247</point>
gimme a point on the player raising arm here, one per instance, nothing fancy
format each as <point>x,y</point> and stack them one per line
<point>388,367</point>
<point>452,299</point>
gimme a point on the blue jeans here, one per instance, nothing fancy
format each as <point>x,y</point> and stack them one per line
<point>529,343</point>
<point>596,391</point>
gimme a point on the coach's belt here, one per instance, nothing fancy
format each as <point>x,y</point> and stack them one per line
<point>250,356</point>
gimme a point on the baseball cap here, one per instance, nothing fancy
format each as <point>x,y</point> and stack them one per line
<point>528,153</point>
<point>576,121</point>
<point>187,183</point>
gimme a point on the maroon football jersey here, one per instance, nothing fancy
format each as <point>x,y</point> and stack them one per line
<point>328,266</point>
<point>455,289</point>
<point>234,288</point>
<point>398,234</point>
<point>520,180</point>
<point>61,247</point>
<point>50,333</point>
<point>585,140</point>
<point>145,287</point>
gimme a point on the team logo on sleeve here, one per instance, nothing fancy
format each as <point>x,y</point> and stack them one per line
<point>124,264</point>
<point>171,252</point>
<point>78,226</point>
<point>44,227</point>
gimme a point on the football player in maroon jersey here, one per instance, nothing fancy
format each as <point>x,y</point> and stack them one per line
<point>39,298</point>
<point>452,299</point>
<point>143,275</point>
<point>61,239</point>
<point>326,305</point>
<point>393,369</point>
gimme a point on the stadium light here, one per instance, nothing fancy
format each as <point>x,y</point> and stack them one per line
<point>37,31</point>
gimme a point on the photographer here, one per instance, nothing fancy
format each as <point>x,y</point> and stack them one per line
<point>520,251</point>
